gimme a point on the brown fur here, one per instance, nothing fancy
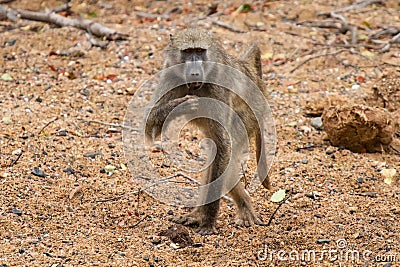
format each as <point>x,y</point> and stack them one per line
<point>248,63</point>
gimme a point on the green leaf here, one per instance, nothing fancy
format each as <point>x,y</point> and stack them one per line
<point>278,196</point>
<point>7,77</point>
<point>92,14</point>
<point>6,120</point>
<point>292,124</point>
<point>244,8</point>
<point>109,168</point>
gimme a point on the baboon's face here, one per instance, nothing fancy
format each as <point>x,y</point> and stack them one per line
<point>194,67</point>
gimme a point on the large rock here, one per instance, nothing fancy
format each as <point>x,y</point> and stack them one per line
<point>358,128</point>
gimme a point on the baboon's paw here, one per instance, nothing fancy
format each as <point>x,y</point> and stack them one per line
<point>247,218</point>
<point>206,230</point>
<point>187,219</point>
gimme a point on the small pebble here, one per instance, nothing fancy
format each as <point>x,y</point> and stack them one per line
<point>330,151</point>
<point>170,212</point>
<point>317,123</point>
<point>17,211</point>
<point>69,170</point>
<point>360,180</point>
<point>146,258</point>
<point>62,132</point>
<point>113,130</point>
<point>92,154</point>
<point>197,245</point>
<point>323,241</point>
<point>304,161</point>
<point>38,172</point>
<point>111,146</point>
<point>156,241</point>
<point>10,42</point>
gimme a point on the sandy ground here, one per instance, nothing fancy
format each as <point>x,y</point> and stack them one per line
<point>54,172</point>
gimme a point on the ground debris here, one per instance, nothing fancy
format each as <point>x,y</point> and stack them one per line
<point>179,235</point>
<point>358,128</point>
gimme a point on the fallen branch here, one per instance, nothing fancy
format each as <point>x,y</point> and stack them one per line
<point>226,26</point>
<point>386,48</point>
<point>95,41</point>
<point>51,17</point>
<point>111,124</point>
<point>346,27</point>
<point>341,24</point>
<point>315,57</point>
<point>353,7</point>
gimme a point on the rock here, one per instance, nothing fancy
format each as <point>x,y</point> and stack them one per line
<point>358,128</point>
<point>323,241</point>
<point>155,241</point>
<point>69,171</point>
<point>38,172</point>
<point>10,42</point>
<point>17,212</point>
<point>92,154</point>
<point>317,123</point>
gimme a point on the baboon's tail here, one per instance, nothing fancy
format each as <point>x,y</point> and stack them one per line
<point>252,55</point>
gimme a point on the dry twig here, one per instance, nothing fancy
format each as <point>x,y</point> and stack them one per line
<point>47,124</point>
<point>16,160</point>
<point>353,7</point>
<point>316,56</point>
<point>111,124</point>
<point>277,208</point>
<point>226,26</point>
<point>138,222</point>
<point>51,17</point>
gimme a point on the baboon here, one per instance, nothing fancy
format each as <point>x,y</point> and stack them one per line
<point>194,48</point>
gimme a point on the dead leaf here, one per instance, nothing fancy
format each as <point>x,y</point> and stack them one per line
<point>75,191</point>
<point>389,175</point>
